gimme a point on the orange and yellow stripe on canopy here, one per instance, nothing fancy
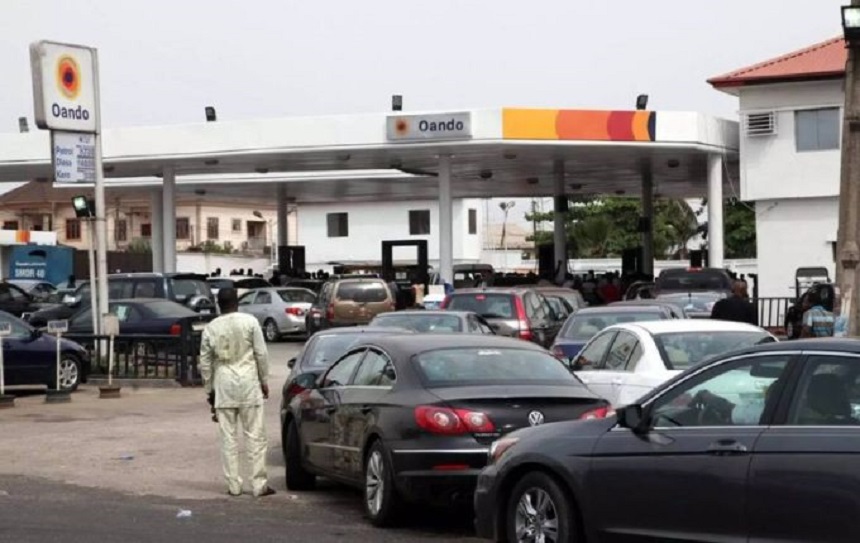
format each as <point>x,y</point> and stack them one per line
<point>578,125</point>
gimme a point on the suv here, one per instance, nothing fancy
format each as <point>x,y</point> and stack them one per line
<point>686,280</point>
<point>188,289</point>
<point>349,302</point>
<point>523,310</point>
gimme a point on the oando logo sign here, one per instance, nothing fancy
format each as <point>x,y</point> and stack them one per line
<point>438,126</point>
<point>64,86</point>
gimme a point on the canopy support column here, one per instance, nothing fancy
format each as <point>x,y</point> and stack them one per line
<point>168,223</point>
<point>156,234</point>
<point>559,229</point>
<point>715,211</point>
<point>446,213</point>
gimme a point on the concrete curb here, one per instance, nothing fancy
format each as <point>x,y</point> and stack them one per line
<point>135,384</point>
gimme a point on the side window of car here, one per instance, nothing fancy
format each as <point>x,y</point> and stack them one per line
<point>829,392</point>
<point>623,346</point>
<point>541,306</point>
<point>263,298</point>
<point>485,328</point>
<point>17,295</point>
<point>732,394</point>
<point>146,288</point>
<point>592,356</point>
<point>473,325</point>
<point>528,302</point>
<point>376,370</point>
<point>341,372</point>
<point>247,299</point>
<point>635,357</point>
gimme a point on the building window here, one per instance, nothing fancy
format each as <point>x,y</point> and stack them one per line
<point>419,222</point>
<point>817,129</point>
<point>121,231</point>
<point>183,228</point>
<point>73,229</point>
<point>338,225</point>
<point>237,226</point>
<point>212,228</point>
<point>473,221</point>
<point>146,230</point>
<point>10,225</point>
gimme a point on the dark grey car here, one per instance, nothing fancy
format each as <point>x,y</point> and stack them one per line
<point>423,321</point>
<point>762,444</point>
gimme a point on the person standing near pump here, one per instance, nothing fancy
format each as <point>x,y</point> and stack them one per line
<point>234,366</point>
<point>736,307</point>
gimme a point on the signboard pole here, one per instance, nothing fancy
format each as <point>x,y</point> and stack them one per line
<point>58,395</point>
<point>5,401</point>
<point>101,217</point>
<point>59,335</point>
<point>94,307</point>
<point>111,324</point>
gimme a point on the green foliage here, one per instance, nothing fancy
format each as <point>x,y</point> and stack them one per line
<point>213,247</point>
<point>139,246</point>
<point>740,234</point>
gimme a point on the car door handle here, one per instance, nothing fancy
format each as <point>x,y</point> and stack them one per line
<point>727,447</point>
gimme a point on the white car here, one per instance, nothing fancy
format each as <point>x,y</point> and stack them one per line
<point>241,283</point>
<point>625,361</point>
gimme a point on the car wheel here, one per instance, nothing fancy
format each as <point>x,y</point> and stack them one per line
<point>298,478</point>
<point>70,373</point>
<point>380,497</point>
<point>539,510</point>
<point>270,330</point>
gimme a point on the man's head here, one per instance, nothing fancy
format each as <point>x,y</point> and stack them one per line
<point>812,299</point>
<point>228,300</point>
<point>739,289</point>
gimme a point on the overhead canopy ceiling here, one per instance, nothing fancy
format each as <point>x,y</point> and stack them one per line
<point>507,153</point>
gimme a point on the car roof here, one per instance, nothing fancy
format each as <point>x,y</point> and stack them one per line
<point>133,275</point>
<point>830,344</point>
<point>362,330</point>
<point>640,303</point>
<point>618,309</point>
<point>407,346</point>
<point>689,325</point>
<point>143,301</point>
<point>492,290</point>
<point>419,312</point>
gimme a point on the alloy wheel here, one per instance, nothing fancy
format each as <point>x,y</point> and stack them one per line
<point>68,373</point>
<point>271,331</point>
<point>374,482</point>
<point>536,517</point>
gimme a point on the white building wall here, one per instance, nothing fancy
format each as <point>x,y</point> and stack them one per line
<point>791,234</point>
<point>370,224</point>
<point>771,167</point>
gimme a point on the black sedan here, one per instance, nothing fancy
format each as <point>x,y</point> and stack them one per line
<point>759,445</point>
<point>422,321</point>
<point>410,418</point>
<point>14,300</point>
<point>30,357</point>
<point>153,316</point>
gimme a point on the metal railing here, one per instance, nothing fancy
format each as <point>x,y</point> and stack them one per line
<point>144,356</point>
<point>772,312</point>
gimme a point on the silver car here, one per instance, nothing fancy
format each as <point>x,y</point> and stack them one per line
<point>281,311</point>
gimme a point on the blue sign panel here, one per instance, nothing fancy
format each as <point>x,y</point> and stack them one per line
<point>41,262</point>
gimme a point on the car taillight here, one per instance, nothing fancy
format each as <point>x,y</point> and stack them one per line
<point>329,313</point>
<point>176,329</point>
<point>297,311</point>
<point>295,389</point>
<point>445,302</point>
<point>443,420</point>
<point>525,330</point>
<point>599,413</point>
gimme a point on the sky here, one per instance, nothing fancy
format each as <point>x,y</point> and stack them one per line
<point>162,61</point>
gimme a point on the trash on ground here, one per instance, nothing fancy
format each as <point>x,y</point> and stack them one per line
<point>183,513</point>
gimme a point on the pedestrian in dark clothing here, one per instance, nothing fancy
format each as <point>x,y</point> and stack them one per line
<point>736,307</point>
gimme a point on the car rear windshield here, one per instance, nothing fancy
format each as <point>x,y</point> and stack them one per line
<point>462,366</point>
<point>191,288</point>
<point>166,308</point>
<point>326,349</point>
<point>583,326</point>
<point>694,280</point>
<point>251,282</point>
<point>702,302</point>
<point>362,291</point>
<point>680,350</point>
<point>488,305</point>
<point>297,296</point>
<point>429,323</point>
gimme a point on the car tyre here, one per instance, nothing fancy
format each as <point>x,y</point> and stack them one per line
<point>381,499</point>
<point>270,331</point>
<point>298,478</point>
<point>70,373</point>
<point>537,507</point>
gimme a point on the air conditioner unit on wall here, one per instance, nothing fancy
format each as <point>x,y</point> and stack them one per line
<point>760,124</point>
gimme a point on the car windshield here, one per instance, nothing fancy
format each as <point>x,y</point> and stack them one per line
<point>166,308</point>
<point>297,296</point>
<point>694,280</point>
<point>362,292</point>
<point>424,323</point>
<point>326,349</point>
<point>680,350</point>
<point>191,288</point>
<point>461,366</point>
<point>19,328</point>
<point>701,302</point>
<point>488,305</point>
<point>584,326</point>
<point>251,282</point>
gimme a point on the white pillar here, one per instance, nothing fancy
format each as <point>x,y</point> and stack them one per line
<point>715,211</point>
<point>283,227</point>
<point>446,231</point>
<point>648,215</point>
<point>168,198</point>
<point>156,235</point>
<point>559,229</point>
<point>100,285</point>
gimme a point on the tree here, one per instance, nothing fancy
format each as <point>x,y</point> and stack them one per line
<point>739,228</point>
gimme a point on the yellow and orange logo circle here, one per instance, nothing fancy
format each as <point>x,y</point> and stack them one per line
<point>401,127</point>
<point>68,77</point>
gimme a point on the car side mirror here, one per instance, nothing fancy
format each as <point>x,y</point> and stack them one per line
<point>633,417</point>
<point>291,363</point>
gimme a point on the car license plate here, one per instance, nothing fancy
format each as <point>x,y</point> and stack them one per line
<point>198,326</point>
<point>205,312</point>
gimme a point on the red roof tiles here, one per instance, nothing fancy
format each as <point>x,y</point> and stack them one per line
<point>824,60</point>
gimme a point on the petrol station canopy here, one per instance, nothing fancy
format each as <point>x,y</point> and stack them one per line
<point>507,152</point>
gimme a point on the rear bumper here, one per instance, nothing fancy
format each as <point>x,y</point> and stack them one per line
<point>292,325</point>
<point>438,476</point>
